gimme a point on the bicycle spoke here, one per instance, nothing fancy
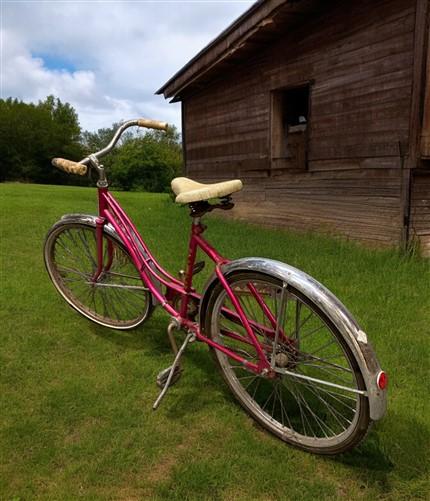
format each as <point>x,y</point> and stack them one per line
<point>324,361</point>
<point>280,309</point>
<point>123,275</point>
<point>332,394</point>
<point>297,336</point>
<point>69,254</point>
<point>250,383</point>
<point>256,387</point>
<point>336,414</point>
<point>268,399</point>
<point>321,348</point>
<point>241,378</point>
<point>86,248</point>
<point>105,310</point>
<point>302,414</point>
<point>307,334</point>
<point>71,270</point>
<point>301,324</point>
<point>326,372</point>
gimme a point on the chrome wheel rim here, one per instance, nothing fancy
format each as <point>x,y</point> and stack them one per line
<point>117,298</point>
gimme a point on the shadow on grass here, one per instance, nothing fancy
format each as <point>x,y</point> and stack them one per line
<point>151,334</point>
<point>151,337</point>
<point>375,459</point>
<point>368,463</point>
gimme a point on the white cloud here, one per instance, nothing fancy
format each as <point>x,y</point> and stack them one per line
<point>120,53</point>
<point>26,75</point>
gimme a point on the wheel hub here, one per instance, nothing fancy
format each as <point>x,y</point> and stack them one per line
<point>287,358</point>
<point>281,360</point>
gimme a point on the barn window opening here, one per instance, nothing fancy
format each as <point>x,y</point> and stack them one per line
<point>290,121</point>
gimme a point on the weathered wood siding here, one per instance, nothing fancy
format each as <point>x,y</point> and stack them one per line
<point>359,57</point>
<point>420,211</point>
<point>425,133</point>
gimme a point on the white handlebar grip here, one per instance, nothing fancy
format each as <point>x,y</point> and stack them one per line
<point>152,124</point>
<point>69,166</point>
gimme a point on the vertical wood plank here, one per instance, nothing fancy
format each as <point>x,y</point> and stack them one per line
<point>425,134</point>
<point>183,133</point>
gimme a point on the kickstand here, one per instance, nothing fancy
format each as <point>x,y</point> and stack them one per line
<point>190,337</point>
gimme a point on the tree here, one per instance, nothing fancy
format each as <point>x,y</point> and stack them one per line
<point>32,134</point>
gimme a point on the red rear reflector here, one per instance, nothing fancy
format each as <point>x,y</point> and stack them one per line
<point>382,380</point>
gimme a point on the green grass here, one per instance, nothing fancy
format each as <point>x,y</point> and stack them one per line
<point>76,400</point>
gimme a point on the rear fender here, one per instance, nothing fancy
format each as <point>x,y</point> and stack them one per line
<point>329,304</point>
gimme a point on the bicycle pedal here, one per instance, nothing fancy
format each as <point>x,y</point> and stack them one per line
<point>164,374</point>
<point>198,267</point>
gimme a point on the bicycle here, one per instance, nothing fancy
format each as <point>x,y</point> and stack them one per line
<point>291,353</point>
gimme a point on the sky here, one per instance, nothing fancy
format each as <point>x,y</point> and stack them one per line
<point>106,58</point>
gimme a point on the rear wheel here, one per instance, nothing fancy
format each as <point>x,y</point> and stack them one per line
<point>118,298</point>
<point>317,403</point>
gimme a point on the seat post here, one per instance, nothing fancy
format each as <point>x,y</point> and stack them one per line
<point>196,220</point>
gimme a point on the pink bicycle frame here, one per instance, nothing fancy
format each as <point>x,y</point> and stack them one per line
<point>153,275</point>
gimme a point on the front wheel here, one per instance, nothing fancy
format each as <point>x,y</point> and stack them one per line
<point>118,298</point>
<point>316,399</point>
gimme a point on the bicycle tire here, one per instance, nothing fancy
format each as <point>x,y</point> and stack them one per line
<point>117,299</point>
<point>311,416</point>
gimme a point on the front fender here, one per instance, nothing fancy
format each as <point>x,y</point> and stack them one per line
<point>330,305</point>
<point>90,220</point>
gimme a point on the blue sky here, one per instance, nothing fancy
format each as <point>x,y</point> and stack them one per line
<point>106,58</point>
<point>52,61</point>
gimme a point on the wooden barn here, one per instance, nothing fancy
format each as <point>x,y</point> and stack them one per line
<point>322,108</point>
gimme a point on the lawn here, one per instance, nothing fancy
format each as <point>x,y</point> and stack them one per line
<point>76,399</point>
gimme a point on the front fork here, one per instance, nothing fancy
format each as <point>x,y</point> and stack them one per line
<point>100,222</point>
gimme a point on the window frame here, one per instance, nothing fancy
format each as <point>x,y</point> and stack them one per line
<point>277,160</point>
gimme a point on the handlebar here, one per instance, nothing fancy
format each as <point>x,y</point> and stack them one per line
<point>69,166</point>
<point>80,167</point>
<point>152,124</point>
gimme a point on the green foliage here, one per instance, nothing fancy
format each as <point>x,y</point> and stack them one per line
<point>32,134</point>
<point>147,163</point>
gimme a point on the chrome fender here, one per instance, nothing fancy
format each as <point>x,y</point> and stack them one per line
<point>330,305</point>
<point>91,220</point>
